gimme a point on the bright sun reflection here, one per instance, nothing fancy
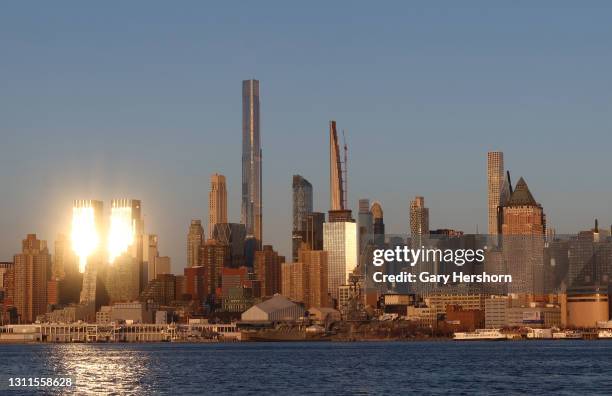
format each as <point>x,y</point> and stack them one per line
<point>84,234</point>
<point>122,230</point>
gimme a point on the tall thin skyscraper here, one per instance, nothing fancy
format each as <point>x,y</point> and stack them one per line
<point>340,234</point>
<point>195,241</point>
<point>217,202</point>
<point>336,180</point>
<point>419,221</point>
<point>302,206</point>
<point>251,213</point>
<point>495,178</point>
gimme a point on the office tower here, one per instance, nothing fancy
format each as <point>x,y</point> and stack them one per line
<point>89,244</point>
<point>302,205</point>
<point>234,236</point>
<point>312,227</point>
<point>163,265</point>
<point>122,279</point>
<point>149,252</point>
<point>590,259</point>
<point>215,256</point>
<point>217,202</point>
<point>251,161</point>
<point>523,232</point>
<point>340,234</point>
<point>30,288</point>
<point>419,221</point>
<point>378,223</point>
<point>65,272</point>
<point>340,243</point>
<point>268,270</point>
<point>365,222</point>
<point>495,179</point>
<point>195,241</point>
<point>125,237</point>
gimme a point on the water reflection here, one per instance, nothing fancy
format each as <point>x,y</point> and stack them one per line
<point>96,369</point>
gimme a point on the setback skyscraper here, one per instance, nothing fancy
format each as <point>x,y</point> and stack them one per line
<point>217,202</point>
<point>251,211</point>
<point>30,288</point>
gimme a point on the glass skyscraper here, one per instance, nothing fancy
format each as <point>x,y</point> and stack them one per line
<point>302,206</point>
<point>340,243</point>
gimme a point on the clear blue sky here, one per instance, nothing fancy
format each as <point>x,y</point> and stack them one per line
<point>142,100</point>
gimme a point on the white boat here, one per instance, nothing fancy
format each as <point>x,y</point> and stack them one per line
<point>567,335</point>
<point>540,334</point>
<point>604,334</point>
<point>480,335</point>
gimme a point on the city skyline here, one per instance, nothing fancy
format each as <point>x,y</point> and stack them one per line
<point>130,133</point>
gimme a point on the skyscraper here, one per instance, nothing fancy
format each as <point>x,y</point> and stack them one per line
<point>419,221</point>
<point>340,243</point>
<point>215,257</point>
<point>268,270</point>
<point>495,179</point>
<point>125,237</point>
<point>302,206</point>
<point>336,180</point>
<point>251,213</point>
<point>378,223</point>
<point>30,288</point>
<point>234,236</point>
<point>195,240</point>
<point>340,234</point>
<point>149,253</point>
<point>88,243</point>
<point>312,230</point>
<point>365,222</point>
<point>523,230</point>
<point>217,202</point>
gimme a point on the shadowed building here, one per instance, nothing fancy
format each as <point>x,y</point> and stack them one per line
<point>195,240</point>
<point>234,236</point>
<point>302,205</point>
<point>215,257</point>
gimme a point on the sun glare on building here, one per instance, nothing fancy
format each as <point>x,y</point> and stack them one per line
<point>122,229</point>
<point>84,235</point>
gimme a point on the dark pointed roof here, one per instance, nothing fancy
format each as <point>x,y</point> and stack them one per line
<point>521,196</point>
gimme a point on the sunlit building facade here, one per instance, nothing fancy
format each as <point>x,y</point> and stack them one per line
<point>251,210</point>
<point>340,243</point>
<point>217,202</point>
<point>30,278</point>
